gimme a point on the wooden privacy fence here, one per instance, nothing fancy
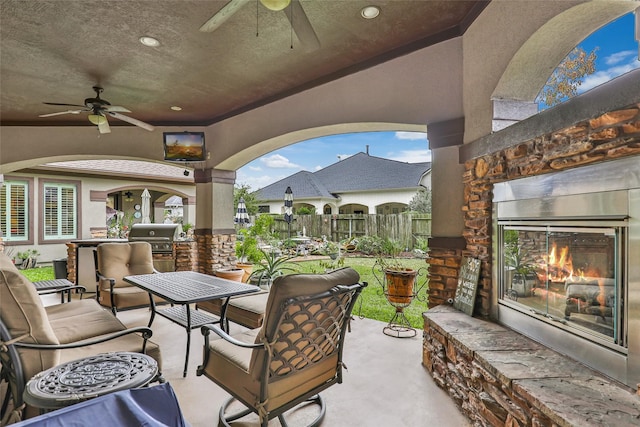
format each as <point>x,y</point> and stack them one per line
<point>404,228</point>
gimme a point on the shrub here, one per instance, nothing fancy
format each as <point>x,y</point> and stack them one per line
<point>370,245</point>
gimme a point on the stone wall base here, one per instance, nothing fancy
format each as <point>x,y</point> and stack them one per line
<point>501,378</point>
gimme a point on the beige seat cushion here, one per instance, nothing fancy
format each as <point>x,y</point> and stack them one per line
<point>24,315</point>
<point>82,321</point>
<point>245,310</point>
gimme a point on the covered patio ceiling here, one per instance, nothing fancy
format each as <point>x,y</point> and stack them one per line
<point>56,51</point>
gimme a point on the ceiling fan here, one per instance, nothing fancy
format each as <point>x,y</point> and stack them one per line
<point>98,110</point>
<point>296,15</point>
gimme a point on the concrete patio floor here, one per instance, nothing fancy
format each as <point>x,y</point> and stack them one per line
<point>385,384</point>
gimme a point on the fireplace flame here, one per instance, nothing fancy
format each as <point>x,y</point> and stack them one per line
<point>559,264</point>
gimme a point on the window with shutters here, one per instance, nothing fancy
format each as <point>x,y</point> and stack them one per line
<point>60,211</point>
<point>14,211</point>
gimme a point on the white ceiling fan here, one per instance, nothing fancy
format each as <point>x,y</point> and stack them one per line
<point>98,110</point>
<point>291,8</point>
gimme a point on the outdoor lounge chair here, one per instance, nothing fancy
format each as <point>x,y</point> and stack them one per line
<point>114,261</point>
<point>296,353</point>
<point>34,338</point>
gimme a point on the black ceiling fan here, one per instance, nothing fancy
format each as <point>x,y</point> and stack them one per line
<point>291,8</point>
<point>98,110</point>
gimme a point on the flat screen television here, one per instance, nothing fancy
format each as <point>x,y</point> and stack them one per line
<point>184,146</point>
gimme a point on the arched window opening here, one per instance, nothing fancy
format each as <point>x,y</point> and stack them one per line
<point>604,55</point>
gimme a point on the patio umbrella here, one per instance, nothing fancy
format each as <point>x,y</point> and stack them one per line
<point>288,208</point>
<point>242,217</point>
<point>146,206</point>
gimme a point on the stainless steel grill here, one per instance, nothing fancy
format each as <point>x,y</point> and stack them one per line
<point>160,236</point>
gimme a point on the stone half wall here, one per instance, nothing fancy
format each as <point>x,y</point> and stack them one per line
<point>610,136</point>
<point>215,251</point>
<point>499,378</point>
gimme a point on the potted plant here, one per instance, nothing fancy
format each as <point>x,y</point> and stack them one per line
<point>398,280</point>
<point>331,249</point>
<point>28,258</point>
<point>230,273</point>
<point>247,249</point>
<point>271,266</point>
<point>521,272</point>
<point>187,230</point>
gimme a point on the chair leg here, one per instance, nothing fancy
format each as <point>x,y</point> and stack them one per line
<point>226,419</point>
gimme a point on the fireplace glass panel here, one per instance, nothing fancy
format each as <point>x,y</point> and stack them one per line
<point>569,275</point>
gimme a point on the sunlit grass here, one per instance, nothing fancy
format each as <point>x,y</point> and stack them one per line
<point>39,273</point>
<point>373,304</point>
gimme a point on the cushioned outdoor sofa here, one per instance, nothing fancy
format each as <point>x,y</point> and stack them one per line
<point>26,320</point>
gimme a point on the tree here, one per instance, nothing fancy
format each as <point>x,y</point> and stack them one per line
<point>421,202</point>
<point>568,76</point>
<point>244,191</point>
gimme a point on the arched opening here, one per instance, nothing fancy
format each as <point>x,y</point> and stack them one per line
<point>355,209</point>
<point>516,95</point>
<point>391,208</point>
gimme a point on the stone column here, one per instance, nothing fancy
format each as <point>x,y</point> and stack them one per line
<point>214,228</point>
<point>447,221</point>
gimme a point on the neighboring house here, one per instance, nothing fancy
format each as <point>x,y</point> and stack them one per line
<point>359,184</point>
<point>45,207</point>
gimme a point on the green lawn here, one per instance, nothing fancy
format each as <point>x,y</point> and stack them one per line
<point>372,304</point>
<point>39,273</point>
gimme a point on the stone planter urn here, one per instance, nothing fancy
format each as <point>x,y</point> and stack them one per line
<point>248,268</point>
<point>234,274</point>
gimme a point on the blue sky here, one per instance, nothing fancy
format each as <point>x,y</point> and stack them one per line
<point>617,53</point>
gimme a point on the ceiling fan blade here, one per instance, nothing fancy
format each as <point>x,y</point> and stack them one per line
<point>104,127</point>
<point>223,14</point>
<point>131,120</point>
<point>65,105</point>
<point>116,108</point>
<point>302,26</point>
<point>61,112</point>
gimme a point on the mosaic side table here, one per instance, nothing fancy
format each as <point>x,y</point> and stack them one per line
<point>89,377</point>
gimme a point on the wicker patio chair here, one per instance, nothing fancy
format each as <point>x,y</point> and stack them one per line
<point>296,353</point>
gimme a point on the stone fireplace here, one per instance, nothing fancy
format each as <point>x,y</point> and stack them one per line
<point>552,210</point>
<point>572,188</point>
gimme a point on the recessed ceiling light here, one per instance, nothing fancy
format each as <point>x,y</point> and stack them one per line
<point>149,41</point>
<point>176,108</point>
<point>370,12</point>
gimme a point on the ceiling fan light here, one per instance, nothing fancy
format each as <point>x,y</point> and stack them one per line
<point>97,119</point>
<point>275,4</point>
<point>149,41</point>
<point>370,12</point>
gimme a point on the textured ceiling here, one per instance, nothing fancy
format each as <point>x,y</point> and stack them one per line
<point>55,51</point>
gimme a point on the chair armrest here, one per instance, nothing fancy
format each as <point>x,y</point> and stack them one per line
<point>146,334</point>
<point>222,334</point>
<point>206,331</point>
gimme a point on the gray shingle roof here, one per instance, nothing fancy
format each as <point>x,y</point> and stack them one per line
<point>360,172</point>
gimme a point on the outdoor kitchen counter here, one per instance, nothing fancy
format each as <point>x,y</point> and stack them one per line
<point>499,377</point>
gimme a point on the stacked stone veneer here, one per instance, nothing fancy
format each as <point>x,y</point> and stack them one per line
<point>186,253</point>
<point>444,265</point>
<point>215,251</point>
<point>610,136</point>
<point>501,378</point>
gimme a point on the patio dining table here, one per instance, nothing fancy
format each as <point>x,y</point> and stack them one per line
<point>182,288</point>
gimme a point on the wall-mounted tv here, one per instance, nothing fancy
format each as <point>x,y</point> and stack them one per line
<point>184,146</point>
